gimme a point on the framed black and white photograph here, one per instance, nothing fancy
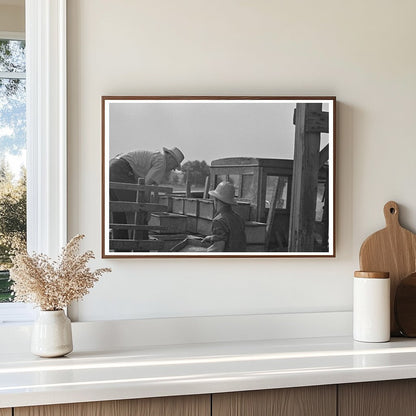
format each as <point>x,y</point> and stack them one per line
<point>218,176</point>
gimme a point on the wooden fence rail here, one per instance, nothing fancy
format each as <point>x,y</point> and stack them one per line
<point>138,212</point>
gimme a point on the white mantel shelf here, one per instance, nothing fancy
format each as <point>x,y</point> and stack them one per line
<point>169,370</point>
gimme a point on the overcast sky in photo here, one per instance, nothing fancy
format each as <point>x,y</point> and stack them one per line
<point>205,130</point>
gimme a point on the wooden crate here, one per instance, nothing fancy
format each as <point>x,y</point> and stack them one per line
<point>191,207</point>
<point>177,204</point>
<point>243,210</point>
<point>166,200</point>
<point>206,209</point>
<point>255,232</point>
<point>204,226</point>
<point>172,223</point>
<point>191,225</point>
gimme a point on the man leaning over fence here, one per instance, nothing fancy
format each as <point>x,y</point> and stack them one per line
<point>129,167</point>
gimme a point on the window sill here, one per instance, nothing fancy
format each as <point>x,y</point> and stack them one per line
<point>16,313</point>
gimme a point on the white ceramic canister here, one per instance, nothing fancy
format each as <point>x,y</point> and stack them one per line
<point>371,309</point>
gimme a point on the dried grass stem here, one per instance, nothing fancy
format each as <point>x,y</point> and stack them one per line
<point>53,285</point>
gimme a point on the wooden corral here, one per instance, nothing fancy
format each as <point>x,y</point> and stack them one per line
<point>144,200</point>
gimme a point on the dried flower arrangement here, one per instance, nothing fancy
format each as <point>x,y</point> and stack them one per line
<point>52,285</point>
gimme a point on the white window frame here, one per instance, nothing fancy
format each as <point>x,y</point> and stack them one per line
<point>46,135</point>
<point>46,125</point>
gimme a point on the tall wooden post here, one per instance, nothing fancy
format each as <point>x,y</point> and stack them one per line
<point>140,217</point>
<point>310,122</point>
<point>206,188</point>
<point>187,185</point>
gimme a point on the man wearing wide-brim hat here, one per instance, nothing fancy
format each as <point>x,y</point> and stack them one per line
<point>228,232</point>
<point>128,167</point>
<point>152,166</point>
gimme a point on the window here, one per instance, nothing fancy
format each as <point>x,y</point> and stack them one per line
<point>248,191</point>
<point>46,136</point>
<point>12,155</point>
<point>235,179</point>
<point>219,179</point>
<point>280,185</point>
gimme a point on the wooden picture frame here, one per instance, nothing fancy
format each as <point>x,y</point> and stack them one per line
<point>277,152</point>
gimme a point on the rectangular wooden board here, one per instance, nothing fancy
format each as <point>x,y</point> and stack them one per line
<point>167,201</point>
<point>171,223</point>
<point>204,226</point>
<point>206,209</point>
<point>120,206</point>
<point>177,205</point>
<point>191,225</point>
<point>135,245</point>
<point>191,207</point>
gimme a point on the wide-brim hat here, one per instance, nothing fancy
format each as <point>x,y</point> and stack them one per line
<point>176,154</point>
<point>225,192</point>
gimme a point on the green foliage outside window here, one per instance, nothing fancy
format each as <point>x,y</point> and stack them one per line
<point>13,217</point>
<point>12,224</point>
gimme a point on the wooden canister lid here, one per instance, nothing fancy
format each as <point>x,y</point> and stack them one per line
<point>372,275</point>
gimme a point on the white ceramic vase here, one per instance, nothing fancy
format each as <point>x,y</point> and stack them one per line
<point>52,334</point>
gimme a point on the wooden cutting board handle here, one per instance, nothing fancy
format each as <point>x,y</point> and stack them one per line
<point>391,214</point>
<point>393,250</point>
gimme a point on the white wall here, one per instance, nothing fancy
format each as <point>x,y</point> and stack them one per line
<point>12,17</point>
<point>360,51</point>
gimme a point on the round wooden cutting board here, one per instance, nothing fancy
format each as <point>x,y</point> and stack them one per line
<point>393,250</point>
